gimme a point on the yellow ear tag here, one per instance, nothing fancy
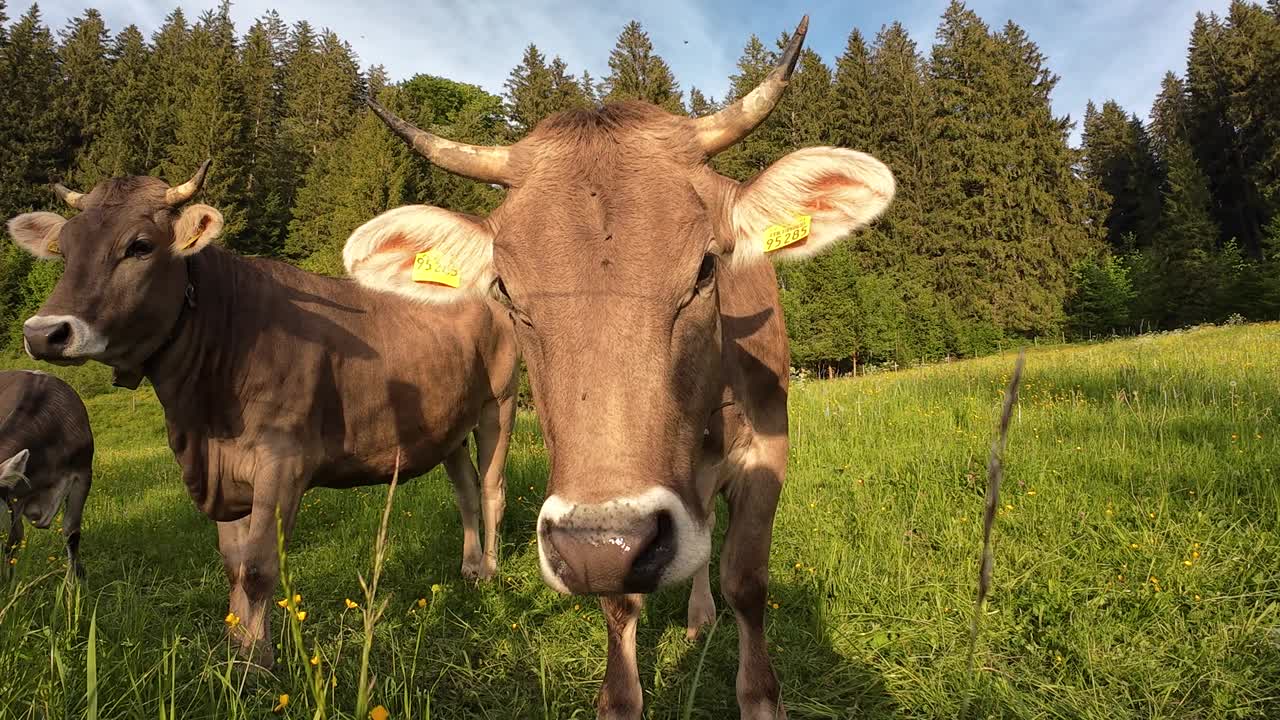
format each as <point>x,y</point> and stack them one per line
<point>780,236</point>
<point>427,268</point>
<point>187,245</point>
<point>53,247</point>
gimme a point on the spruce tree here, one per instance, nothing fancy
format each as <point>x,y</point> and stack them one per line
<point>700,105</point>
<point>207,122</point>
<point>1169,115</point>
<point>1184,256</point>
<point>121,147</point>
<point>528,91</point>
<point>29,122</point>
<point>260,78</point>
<point>851,116</point>
<point>85,86</point>
<point>636,72</point>
<point>1120,158</point>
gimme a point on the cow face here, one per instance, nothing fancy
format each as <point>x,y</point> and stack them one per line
<point>609,251</point>
<point>125,277</point>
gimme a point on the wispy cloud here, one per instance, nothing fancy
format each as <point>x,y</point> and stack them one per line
<point>1108,49</point>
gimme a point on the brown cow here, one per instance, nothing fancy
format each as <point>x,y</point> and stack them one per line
<point>273,380</point>
<point>641,288</point>
<point>46,457</point>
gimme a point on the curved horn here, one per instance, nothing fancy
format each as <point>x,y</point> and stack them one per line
<point>719,131</point>
<point>187,190</point>
<point>485,163</point>
<point>69,196</point>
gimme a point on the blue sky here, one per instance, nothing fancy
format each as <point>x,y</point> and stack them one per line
<point>1115,49</point>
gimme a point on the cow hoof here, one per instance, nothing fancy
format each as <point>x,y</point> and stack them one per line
<point>488,569</point>
<point>471,570</point>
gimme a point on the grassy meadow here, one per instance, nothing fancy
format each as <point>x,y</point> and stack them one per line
<point>1137,565</point>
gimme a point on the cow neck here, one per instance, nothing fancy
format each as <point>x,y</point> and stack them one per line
<point>131,380</point>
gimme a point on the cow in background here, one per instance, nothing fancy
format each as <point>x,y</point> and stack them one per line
<point>46,457</point>
<point>273,380</point>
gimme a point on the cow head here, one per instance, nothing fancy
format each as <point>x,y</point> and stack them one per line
<point>607,252</point>
<point>125,279</point>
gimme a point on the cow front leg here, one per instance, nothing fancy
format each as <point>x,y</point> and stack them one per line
<point>232,537</point>
<point>493,438</point>
<point>621,697</point>
<point>466,488</point>
<point>72,514</point>
<point>255,569</point>
<point>744,576</point>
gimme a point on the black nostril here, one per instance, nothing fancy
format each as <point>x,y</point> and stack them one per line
<point>59,334</point>
<point>646,571</point>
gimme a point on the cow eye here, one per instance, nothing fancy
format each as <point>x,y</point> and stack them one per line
<point>138,248</point>
<point>706,271</point>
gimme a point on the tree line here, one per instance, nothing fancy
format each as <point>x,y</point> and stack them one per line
<point>1000,230</point>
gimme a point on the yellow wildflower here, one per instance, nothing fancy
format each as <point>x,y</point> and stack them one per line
<point>422,602</point>
<point>315,659</point>
<point>1134,546</point>
<point>1187,563</point>
<point>283,602</point>
<point>379,713</point>
<point>515,625</point>
<point>351,604</point>
<point>232,620</point>
<point>302,615</point>
<point>1031,493</point>
<point>435,589</point>
<point>297,599</point>
<point>776,606</point>
<point>1197,597</point>
<point>283,702</point>
<point>1195,555</point>
<point>799,566</point>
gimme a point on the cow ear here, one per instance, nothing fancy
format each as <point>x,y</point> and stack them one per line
<point>806,201</point>
<point>196,227</point>
<point>14,469</point>
<point>422,252</point>
<point>37,233</point>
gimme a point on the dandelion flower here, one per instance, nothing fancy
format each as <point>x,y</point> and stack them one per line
<point>351,604</point>
<point>283,702</point>
<point>232,620</point>
<point>379,713</point>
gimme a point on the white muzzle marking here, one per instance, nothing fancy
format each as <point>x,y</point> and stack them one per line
<point>693,539</point>
<point>85,343</point>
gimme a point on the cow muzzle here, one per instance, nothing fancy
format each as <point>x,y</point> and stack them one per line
<point>627,545</point>
<point>61,339</point>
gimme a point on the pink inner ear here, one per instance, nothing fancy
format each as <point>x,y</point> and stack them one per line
<point>826,185</point>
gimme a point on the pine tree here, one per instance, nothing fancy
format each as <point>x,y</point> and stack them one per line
<point>851,117</point>
<point>121,147</point>
<point>566,91</point>
<point>261,66</point>
<point>169,79</point>
<point>700,105</point>
<point>85,85</point>
<point>1169,115</point>
<point>637,73</point>
<point>758,150</point>
<point>207,124</point>
<point>1119,157</point>
<point>528,91</point>
<point>1184,256</point>
<point>29,122</point>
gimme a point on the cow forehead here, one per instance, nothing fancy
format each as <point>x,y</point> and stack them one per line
<point>99,228</point>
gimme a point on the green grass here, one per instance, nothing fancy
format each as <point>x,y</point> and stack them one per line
<point>1137,565</point>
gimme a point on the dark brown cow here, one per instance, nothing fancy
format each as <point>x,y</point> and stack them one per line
<point>46,457</point>
<point>273,380</point>
<point>641,288</point>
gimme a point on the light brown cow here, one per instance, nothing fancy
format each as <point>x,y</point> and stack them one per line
<point>642,292</point>
<point>273,380</point>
